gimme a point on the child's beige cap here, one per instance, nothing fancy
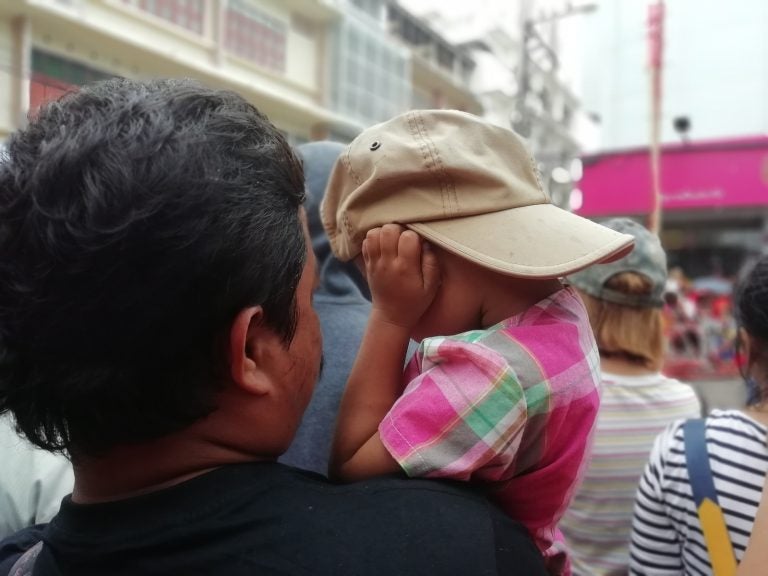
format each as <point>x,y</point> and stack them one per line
<point>465,185</point>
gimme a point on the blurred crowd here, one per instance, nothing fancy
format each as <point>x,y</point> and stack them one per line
<point>700,327</point>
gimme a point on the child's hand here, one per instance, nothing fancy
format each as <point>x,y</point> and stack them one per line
<point>402,273</point>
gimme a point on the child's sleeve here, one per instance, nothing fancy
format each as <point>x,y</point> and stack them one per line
<point>462,417</point>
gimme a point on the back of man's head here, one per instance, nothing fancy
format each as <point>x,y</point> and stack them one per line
<point>136,220</point>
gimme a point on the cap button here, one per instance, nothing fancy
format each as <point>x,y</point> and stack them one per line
<point>375,145</point>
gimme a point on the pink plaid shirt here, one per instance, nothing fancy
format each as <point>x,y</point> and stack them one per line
<point>512,406</point>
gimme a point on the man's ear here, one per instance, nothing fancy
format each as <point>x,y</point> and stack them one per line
<point>250,345</point>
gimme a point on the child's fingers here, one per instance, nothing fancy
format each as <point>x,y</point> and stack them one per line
<point>373,244</point>
<point>409,247</point>
<point>390,236</point>
<point>430,269</point>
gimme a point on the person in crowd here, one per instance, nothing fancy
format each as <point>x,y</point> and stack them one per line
<point>503,389</point>
<point>156,325</point>
<point>342,309</point>
<point>667,534</point>
<point>32,481</point>
<point>624,300</point>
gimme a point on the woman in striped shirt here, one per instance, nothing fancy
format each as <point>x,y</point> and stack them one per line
<point>624,300</point>
<point>666,533</point>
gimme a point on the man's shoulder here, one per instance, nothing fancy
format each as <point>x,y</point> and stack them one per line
<point>390,525</point>
<point>406,526</point>
<point>386,496</point>
<point>269,518</point>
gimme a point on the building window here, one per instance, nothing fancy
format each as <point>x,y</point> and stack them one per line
<point>370,7</point>
<point>53,76</point>
<point>65,70</point>
<point>445,57</point>
<point>371,76</point>
<point>412,34</point>
<point>255,36</point>
<point>189,14</point>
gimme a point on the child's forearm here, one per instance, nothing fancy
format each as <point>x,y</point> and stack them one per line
<point>404,277</point>
<point>373,387</point>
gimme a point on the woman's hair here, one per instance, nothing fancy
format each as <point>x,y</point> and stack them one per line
<point>752,314</point>
<point>626,330</point>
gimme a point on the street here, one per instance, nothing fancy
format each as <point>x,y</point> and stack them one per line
<point>724,394</point>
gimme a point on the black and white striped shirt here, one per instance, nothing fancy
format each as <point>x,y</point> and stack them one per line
<point>666,535</point>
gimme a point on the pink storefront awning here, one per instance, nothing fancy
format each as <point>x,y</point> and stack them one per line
<point>725,173</point>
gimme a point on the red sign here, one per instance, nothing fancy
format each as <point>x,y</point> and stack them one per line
<point>43,89</point>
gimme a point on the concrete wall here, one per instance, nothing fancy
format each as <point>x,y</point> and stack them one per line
<point>7,79</point>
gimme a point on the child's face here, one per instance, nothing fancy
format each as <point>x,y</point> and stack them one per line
<point>458,305</point>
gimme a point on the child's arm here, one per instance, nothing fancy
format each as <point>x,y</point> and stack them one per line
<point>403,278</point>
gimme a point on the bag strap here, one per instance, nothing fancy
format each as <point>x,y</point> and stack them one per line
<point>26,562</point>
<point>711,517</point>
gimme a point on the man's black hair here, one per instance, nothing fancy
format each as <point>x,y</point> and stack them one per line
<point>136,220</point>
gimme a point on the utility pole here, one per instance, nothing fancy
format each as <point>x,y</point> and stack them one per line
<point>656,65</point>
<point>522,124</point>
<point>530,39</point>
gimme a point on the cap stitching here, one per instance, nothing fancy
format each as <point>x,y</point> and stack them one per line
<point>413,129</point>
<point>449,185</point>
<point>438,167</point>
<point>345,223</point>
<point>536,173</point>
<point>348,162</point>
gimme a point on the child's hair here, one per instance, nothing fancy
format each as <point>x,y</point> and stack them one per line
<point>627,330</point>
<point>752,314</point>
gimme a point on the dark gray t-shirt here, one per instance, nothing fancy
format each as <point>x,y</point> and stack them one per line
<point>265,519</point>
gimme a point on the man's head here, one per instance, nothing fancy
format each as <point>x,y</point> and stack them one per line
<point>150,232</point>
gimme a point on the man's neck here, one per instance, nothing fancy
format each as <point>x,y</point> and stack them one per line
<point>132,470</point>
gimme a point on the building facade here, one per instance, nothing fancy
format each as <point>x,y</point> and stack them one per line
<point>317,68</point>
<point>441,72</point>
<point>272,52</point>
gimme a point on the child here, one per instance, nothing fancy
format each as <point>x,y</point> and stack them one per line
<point>510,396</point>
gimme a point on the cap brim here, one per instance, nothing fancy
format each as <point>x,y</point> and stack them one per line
<point>540,241</point>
